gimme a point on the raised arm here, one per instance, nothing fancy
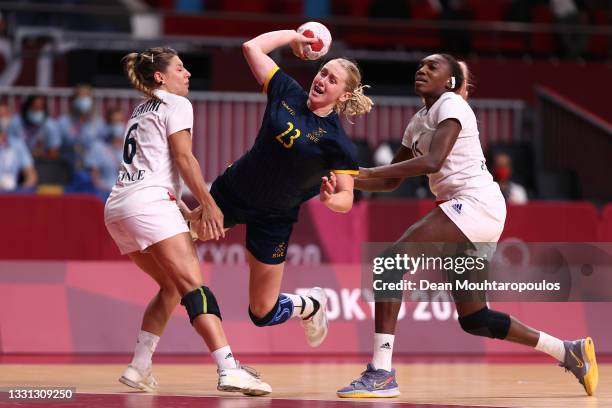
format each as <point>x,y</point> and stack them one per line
<point>257,49</point>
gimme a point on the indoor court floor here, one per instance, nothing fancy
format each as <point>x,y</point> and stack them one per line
<point>308,383</point>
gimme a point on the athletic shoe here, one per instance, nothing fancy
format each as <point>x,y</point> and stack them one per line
<point>373,383</point>
<point>315,327</point>
<point>141,380</point>
<point>580,360</point>
<point>242,379</point>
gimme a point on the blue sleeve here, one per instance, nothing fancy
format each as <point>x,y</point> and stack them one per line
<point>94,156</point>
<point>52,134</point>
<point>23,154</point>
<point>343,156</point>
<point>280,85</point>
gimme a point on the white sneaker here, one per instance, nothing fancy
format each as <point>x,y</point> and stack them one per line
<point>141,380</point>
<point>242,379</point>
<point>316,327</point>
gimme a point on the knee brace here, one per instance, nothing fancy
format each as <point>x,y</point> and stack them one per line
<point>280,313</point>
<point>200,301</point>
<point>486,323</point>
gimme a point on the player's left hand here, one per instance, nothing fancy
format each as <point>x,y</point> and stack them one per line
<point>328,187</point>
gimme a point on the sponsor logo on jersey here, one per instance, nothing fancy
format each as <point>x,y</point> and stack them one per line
<point>279,251</point>
<point>457,207</point>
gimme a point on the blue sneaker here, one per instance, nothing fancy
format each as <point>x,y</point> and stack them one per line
<point>580,360</point>
<point>373,383</point>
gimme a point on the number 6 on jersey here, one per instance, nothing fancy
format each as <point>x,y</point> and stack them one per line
<point>129,147</point>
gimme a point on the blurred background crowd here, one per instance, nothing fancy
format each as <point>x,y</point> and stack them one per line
<point>541,70</point>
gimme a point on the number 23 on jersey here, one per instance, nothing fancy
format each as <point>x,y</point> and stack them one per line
<point>286,139</point>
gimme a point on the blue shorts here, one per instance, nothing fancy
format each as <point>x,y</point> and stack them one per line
<point>267,232</point>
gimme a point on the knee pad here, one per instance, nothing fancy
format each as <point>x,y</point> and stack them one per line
<point>200,301</point>
<point>280,313</point>
<point>486,323</point>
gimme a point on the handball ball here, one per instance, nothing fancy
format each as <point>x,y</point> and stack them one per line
<point>313,29</point>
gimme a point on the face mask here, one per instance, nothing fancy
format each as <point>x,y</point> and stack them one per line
<point>116,130</point>
<point>83,104</point>
<point>36,117</point>
<point>501,173</point>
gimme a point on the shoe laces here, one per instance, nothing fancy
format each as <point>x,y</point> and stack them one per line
<point>365,375</point>
<point>248,369</point>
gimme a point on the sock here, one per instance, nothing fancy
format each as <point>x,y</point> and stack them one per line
<point>303,306</point>
<point>551,346</point>
<point>224,357</point>
<point>383,351</point>
<point>146,343</point>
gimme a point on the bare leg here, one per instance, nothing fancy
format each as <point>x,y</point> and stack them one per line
<point>178,258</point>
<point>160,308</point>
<point>264,285</point>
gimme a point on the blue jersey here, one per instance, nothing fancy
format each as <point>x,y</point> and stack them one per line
<point>293,150</point>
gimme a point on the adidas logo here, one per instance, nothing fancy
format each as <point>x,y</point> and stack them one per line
<point>457,207</point>
<point>229,355</point>
<point>386,346</point>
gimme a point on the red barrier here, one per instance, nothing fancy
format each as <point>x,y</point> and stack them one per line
<point>54,227</point>
<point>71,227</point>
<point>605,226</point>
<point>85,301</point>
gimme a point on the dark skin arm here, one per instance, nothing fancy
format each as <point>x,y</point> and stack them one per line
<point>442,142</point>
<point>386,184</point>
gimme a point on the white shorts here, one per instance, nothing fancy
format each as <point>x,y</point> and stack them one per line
<point>158,221</point>
<point>480,214</point>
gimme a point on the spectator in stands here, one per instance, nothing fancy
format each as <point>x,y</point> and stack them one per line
<point>15,160</point>
<point>104,157</point>
<point>36,129</point>
<point>81,127</point>
<point>6,117</point>
<point>502,173</point>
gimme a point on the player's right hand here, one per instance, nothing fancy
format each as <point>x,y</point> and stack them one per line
<point>328,187</point>
<point>297,44</point>
<point>211,223</point>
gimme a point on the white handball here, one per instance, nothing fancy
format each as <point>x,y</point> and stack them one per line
<point>313,29</point>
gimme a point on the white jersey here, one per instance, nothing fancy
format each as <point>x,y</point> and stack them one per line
<point>464,169</point>
<point>148,173</point>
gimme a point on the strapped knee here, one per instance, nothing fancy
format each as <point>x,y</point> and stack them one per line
<point>200,301</point>
<point>265,320</point>
<point>486,323</point>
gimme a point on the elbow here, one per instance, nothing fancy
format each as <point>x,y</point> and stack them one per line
<point>247,47</point>
<point>434,166</point>
<point>345,208</point>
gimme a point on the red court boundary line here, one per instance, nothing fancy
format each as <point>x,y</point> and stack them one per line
<point>286,358</point>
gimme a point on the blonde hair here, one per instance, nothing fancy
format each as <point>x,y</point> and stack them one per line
<point>141,67</point>
<point>358,103</point>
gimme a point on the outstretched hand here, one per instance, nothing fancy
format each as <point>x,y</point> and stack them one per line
<point>210,224</point>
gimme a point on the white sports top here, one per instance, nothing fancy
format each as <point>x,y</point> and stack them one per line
<point>464,169</point>
<point>147,172</point>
